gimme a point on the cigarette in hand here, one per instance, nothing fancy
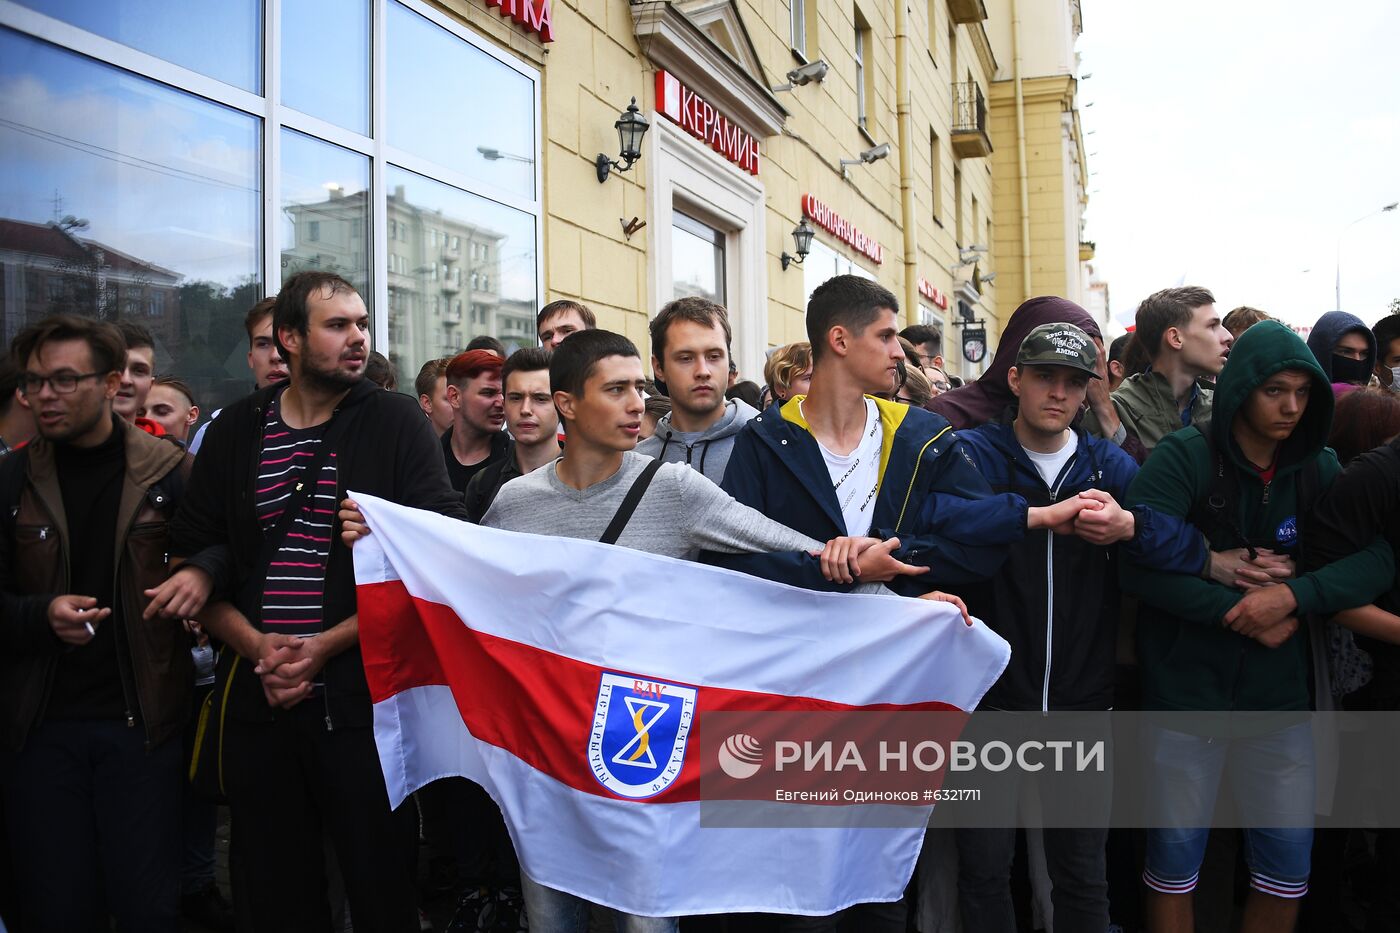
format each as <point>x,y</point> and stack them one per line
<point>92,632</point>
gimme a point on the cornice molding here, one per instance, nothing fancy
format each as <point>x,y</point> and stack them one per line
<point>673,41</point>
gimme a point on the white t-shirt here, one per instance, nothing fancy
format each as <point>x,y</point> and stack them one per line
<point>856,476</point>
<point>1049,465</point>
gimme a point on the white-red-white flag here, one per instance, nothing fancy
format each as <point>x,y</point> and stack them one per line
<point>565,677</point>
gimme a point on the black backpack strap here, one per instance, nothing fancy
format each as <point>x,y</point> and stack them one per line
<point>1218,505</point>
<point>629,504</point>
<point>306,487</point>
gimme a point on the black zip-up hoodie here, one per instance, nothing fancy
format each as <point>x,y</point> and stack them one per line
<point>389,451</point>
<point>1056,598</point>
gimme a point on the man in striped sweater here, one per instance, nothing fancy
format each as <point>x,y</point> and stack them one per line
<point>298,756</point>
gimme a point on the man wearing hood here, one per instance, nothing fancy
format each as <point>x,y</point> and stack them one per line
<point>690,353</point>
<point>1345,348</point>
<point>1245,478</point>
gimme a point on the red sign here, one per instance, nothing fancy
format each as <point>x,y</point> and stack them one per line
<point>534,15</point>
<point>926,289</point>
<point>842,229</point>
<point>700,119</point>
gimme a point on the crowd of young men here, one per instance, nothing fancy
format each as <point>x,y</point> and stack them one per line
<point>1196,480</point>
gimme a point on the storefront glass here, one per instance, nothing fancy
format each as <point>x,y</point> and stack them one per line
<point>134,187</point>
<point>121,198</point>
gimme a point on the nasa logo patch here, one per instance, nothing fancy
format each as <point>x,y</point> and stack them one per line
<point>1287,533</point>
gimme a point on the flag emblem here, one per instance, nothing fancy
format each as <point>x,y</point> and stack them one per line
<point>640,729</point>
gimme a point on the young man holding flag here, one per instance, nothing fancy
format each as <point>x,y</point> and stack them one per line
<point>601,489</point>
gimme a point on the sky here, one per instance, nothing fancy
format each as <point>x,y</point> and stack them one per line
<point>1232,144</point>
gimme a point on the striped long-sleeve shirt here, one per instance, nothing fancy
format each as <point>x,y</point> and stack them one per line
<point>296,577</point>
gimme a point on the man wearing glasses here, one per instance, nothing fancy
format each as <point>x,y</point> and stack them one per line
<point>93,686</point>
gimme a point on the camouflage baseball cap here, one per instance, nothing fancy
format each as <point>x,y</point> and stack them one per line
<point>1059,345</point>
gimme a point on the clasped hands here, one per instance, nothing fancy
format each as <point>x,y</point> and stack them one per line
<point>288,666</point>
<point>1266,613</point>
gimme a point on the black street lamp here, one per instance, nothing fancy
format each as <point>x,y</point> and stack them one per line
<point>631,127</point>
<point>801,237</point>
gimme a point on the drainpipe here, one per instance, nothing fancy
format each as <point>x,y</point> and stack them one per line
<point>1021,153</point>
<point>906,162</point>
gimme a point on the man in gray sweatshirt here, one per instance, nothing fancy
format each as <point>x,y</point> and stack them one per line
<point>690,353</point>
<point>597,379</point>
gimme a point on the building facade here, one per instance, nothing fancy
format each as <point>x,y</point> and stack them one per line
<point>1041,166</point>
<point>444,157</point>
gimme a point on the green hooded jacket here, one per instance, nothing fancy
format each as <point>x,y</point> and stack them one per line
<point>1190,661</point>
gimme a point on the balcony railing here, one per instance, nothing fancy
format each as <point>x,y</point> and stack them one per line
<point>969,129</point>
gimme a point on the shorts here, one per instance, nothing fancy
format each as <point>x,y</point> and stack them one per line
<point>1271,775</point>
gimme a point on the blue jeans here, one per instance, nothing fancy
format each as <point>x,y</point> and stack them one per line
<point>1272,775</point>
<point>552,911</point>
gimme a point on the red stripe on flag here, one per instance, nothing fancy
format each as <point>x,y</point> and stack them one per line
<point>541,705</point>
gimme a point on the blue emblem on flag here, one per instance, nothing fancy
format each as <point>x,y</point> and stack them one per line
<point>640,728</point>
<point>1288,532</point>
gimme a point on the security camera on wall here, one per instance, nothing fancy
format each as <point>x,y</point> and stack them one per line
<point>805,75</point>
<point>875,154</point>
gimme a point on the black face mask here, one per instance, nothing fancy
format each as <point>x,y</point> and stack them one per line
<point>1354,372</point>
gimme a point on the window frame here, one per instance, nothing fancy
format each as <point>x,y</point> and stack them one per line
<point>274,116</point>
<point>860,52</point>
<point>797,28</point>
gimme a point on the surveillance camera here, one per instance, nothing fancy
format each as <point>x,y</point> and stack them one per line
<point>806,74</point>
<point>876,154</point>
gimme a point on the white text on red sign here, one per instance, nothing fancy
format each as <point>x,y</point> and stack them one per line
<point>700,119</point>
<point>842,229</point>
<point>534,15</point>
<point>926,289</point>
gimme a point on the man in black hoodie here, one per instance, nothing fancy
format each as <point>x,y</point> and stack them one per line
<point>298,760</point>
<point>1345,348</point>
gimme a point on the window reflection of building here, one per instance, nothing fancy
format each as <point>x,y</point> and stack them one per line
<point>172,170</point>
<point>47,269</point>
<point>445,283</point>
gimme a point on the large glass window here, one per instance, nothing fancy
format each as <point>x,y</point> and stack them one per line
<point>325,210</point>
<point>325,60</point>
<point>135,188</point>
<point>121,199</point>
<point>218,38</point>
<point>461,266</point>
<point>697,259</point>
<point>452,104</point>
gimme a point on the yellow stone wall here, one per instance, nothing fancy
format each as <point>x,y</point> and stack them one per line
<point>595,65</point>
<point>1054,203</point>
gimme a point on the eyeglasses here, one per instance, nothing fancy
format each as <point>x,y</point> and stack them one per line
<point>63,383</point>
<point>942,386</point>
